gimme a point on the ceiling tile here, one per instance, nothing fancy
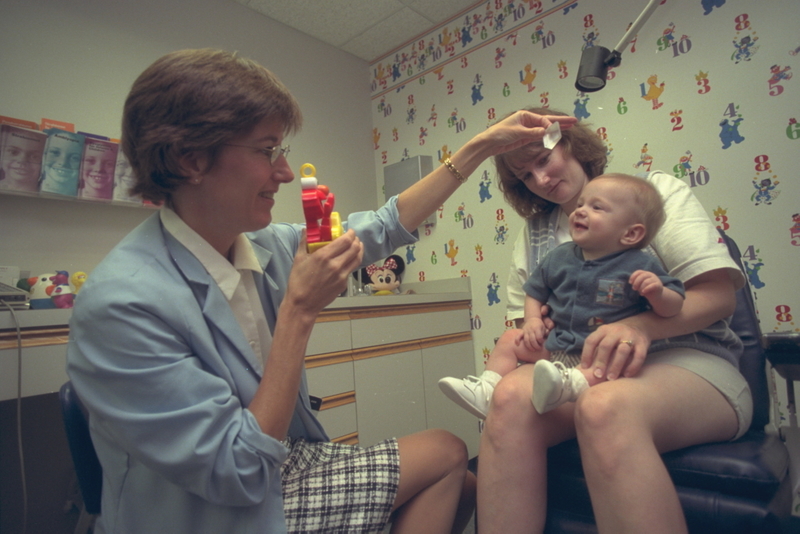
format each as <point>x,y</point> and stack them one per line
<point>440,10</point>
<point>368,29</point>
<point>332,21</point>
<point>387,35</point>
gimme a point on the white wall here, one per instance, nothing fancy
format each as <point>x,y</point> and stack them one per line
<point>75,60</point>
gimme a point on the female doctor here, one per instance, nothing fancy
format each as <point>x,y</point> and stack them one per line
<point>188,342</point>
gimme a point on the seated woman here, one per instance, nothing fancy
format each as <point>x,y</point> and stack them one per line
<point>188,340</point>
<point>672,382</point>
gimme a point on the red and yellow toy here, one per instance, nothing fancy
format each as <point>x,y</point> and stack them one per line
<point>323,225</point>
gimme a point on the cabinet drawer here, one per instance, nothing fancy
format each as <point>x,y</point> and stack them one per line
<point>373,331</point>
<point>332,336</point>
<point>339,421</point>
<point>330,379</point>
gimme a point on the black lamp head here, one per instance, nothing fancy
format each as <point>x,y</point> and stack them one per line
<point>593,68</point>
<point>596,60</point>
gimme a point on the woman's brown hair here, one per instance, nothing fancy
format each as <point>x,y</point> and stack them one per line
<point>196,101</point>
<point>579,141</point>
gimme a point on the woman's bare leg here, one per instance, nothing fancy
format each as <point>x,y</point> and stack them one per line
<point>623,427</point>
<point>512,466</point>
<point>436,491</point>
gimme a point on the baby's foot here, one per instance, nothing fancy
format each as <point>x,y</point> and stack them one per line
<point>554,384</point>
<point>471,393</point>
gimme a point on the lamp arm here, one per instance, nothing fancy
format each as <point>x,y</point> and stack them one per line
<point>633,30</point>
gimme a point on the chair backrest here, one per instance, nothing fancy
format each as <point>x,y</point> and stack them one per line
<point>84,457</point>
<point>753,361</point>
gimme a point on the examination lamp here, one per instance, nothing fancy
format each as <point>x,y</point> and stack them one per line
<point>596,60</point>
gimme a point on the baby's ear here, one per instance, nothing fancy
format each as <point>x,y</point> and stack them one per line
<point>633,235</point>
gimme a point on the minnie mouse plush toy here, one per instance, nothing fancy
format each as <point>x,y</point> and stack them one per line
<point>384,279</point>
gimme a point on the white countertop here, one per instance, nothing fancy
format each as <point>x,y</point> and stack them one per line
<point>449,290</point>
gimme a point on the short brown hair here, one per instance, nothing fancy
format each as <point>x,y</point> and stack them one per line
<point>579,141</point>
<point>647,203</point>
<point>196,101</point>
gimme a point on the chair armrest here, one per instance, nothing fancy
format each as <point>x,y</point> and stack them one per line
<point>783,352</point>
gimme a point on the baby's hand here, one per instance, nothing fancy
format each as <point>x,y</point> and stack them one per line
<point>534,333</point>
<point>647,284</point>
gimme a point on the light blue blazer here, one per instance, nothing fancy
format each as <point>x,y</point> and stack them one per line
<point>161,364</point>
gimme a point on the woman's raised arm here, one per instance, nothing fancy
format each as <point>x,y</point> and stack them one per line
<point>417,202</point>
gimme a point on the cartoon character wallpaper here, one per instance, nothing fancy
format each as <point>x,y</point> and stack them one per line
<point>675,104</point>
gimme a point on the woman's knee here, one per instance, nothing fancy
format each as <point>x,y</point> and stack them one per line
<point>446,449</point>
<point>512,394</point>
<point>601,410</point>
<point>511,411</point>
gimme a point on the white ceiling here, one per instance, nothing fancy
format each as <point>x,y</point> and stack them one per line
<point>367,29</point>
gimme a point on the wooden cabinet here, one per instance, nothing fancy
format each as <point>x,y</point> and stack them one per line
<point>385,384</point>
<point>375,362</point>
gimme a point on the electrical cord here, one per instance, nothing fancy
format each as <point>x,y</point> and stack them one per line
<point>19,418</point>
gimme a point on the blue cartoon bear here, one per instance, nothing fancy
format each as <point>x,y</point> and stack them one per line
<point>410,254</point>
<point>730,132</point>
<point>752,274</point>
<point>580,108</point>
<point>708,5</point>
<point>476,93</point>
<point>483,189</point>
<point>491,295</point>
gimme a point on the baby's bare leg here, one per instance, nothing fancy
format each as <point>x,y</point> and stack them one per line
<point>509,351</point>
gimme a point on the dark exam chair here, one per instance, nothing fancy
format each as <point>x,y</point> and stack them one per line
<point>87,466</point>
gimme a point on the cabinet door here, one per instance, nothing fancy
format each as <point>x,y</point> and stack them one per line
<point>458,360</point>
<point>43,370</point>
<point>328,380</point>
<point>332,382</point>
<point>339,421</point>
<point>330,336</point>
<point>390,397</point>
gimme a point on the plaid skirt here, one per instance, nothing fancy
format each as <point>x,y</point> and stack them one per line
<point>331,487</point>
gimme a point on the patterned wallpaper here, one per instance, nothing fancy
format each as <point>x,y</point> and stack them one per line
<point>705,91</point>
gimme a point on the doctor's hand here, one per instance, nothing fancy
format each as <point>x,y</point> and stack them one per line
<point>319,277</point>
<point>520,129</point>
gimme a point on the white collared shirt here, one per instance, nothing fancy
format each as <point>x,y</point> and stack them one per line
<point>239,290</point>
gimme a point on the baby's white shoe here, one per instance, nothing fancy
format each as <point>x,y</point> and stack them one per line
<point>554,384</point>
<point>472,393</point>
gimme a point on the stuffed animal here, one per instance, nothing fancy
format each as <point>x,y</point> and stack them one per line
<point>384,279</point>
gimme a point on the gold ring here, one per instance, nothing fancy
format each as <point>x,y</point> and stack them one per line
<point>627,342</point>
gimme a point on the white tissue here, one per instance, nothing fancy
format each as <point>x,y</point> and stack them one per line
<point>552,135</point>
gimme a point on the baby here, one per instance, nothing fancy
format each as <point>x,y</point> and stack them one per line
<point>600,277</point>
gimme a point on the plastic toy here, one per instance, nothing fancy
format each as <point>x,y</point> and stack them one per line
<point>42,287</point>
<point>323,225</point>
<point>78,278</point>
<point>384,279</point>
<point>62,296</point>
